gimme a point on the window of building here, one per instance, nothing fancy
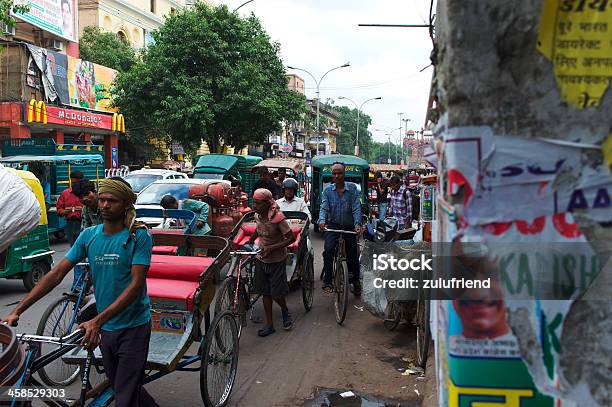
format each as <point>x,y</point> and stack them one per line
<point>153,6</point>
<point>121,35</point>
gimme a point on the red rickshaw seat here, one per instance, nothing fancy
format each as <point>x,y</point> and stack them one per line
<point>165,250</point>
<point>176,277</point>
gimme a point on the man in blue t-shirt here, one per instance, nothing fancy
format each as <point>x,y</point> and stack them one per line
<point>119,253</point>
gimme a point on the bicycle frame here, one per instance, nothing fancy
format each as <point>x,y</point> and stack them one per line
<point>242,258</point>
<point>84,283</point>
<point>34,364</point>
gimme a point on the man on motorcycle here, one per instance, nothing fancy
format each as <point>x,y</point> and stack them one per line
<point>290,202</point>
<point>340,209</point>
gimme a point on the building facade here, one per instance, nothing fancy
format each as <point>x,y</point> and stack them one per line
<point>46,91</point>
<point>132,21</point>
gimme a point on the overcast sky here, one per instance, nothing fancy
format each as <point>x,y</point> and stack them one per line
<point>320,34</point>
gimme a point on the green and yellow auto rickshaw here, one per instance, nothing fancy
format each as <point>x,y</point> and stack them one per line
<point>30,257</point>
<point>356,171</point>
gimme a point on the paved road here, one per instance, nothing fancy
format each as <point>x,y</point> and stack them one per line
<point>287,368</point>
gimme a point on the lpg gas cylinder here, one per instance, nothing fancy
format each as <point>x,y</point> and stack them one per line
<point>222,223</point>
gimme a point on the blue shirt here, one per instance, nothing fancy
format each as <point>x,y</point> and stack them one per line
<point>344,210</point>
<point>111,269</point>
<point>47,192</point>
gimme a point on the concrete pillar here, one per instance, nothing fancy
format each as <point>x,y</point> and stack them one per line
<point>58,136</point>
<point>111,142</point>
<point>521,164</point>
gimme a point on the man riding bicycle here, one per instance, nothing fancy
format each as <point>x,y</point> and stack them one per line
<point>119,251</point>
<point>341,210</point>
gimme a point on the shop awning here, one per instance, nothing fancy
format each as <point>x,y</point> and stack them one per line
<point>88,158</point>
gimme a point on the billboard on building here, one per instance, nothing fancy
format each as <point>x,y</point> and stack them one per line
<point>89,85</point>
<point>59,17</point>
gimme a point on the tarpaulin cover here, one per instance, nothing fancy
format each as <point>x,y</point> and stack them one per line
<point>19,209</point>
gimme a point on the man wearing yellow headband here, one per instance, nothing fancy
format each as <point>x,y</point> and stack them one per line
<point>119,253</point>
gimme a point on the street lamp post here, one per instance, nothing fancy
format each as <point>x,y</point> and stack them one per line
<point>243,4</point>
<point>318,83</point>
<point>403,136</point>
<point>358,113</point>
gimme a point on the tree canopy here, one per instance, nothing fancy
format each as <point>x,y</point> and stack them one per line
<point>210,75</point>
<point>106,49</point>
<point>6,6</point>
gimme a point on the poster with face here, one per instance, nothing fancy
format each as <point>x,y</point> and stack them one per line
<point>89,84</point>
<point>58,17</point>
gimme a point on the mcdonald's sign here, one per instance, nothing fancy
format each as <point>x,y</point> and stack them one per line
<point>37,111</point>
<point>118,123</point>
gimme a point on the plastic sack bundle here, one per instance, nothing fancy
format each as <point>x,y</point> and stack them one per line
<point>376,299</point>
<point>19,209</point>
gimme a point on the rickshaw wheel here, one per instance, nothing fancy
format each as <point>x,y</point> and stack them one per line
<point>219,360</point>
<point>32,277</point>
<point>393,315</point>
<point>308,283</point>
<point>56,322</point>
<point>341,289</point>
<point>225,302</point>
<point>423,336</point>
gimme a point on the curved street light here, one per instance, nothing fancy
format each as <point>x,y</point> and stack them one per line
<point>358,112</point>
<point>318,83</point>
<point>243,4</point>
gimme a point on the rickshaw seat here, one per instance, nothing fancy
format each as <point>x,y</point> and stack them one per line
<point>175,277</point>
<point>297,231</point>
<point>165,250</point>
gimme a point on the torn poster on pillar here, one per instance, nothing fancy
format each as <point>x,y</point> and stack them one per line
<point>575,36</point>
<point>507,178</point>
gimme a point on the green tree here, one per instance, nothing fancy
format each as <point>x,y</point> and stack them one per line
<point>106,49</point>
<point>6,6</point>
<point>210,75</point>
<point>346,139</point>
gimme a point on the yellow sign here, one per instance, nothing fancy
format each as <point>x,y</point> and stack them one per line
<point>509,397</point>
<point>37,111</point>
<point>118,123</point>
<point>575,36</point>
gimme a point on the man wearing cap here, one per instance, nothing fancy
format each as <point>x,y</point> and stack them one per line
<point>119,252</point>
<point>340,209</point>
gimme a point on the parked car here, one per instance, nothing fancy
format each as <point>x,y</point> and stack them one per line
<point>142,178</point>
<point>150,196</point>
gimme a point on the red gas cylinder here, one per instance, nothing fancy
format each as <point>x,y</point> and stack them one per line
<point>222,224</point>
<point>217,192</point>
<point>235,214</point>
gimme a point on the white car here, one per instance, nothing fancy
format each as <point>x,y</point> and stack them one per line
<point>142,178</point>
<point>150,197</point>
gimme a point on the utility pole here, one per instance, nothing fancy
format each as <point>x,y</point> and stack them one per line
<point>400,134</point>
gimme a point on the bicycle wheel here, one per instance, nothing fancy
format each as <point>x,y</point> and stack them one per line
<point>341,288</point>
<point>225,302</point>
<point>59,319</point>
<point>308,283</point>
<point>422,325</point>
<point>219,360</point>
<point>393,315</point>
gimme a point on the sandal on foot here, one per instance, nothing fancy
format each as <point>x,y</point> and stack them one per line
<point>328,289</point>
<point>265,331</point>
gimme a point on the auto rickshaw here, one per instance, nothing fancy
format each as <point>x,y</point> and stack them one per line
<point>221,166</point>
<point>356,171</point>
<point>30,257</point>
<point>57,169</point>
<point>293,168</point>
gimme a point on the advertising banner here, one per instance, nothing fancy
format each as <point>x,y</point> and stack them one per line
<point>58,65</point>
<point>58,17</point>
<point>78,118</point>
<point>89,85</point>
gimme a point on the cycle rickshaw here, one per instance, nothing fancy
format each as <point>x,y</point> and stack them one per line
<point>181,289</point>
<point>235,292</point>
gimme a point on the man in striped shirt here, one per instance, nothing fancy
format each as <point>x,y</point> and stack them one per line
<point>401,203</point>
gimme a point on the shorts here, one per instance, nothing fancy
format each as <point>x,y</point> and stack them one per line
<point>271,279</point>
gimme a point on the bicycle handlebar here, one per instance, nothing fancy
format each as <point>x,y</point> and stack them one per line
<point>70,339</point>
<point>243,253</point>
<point>350,232</point>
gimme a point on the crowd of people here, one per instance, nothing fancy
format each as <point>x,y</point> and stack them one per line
<point>101,226</point>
